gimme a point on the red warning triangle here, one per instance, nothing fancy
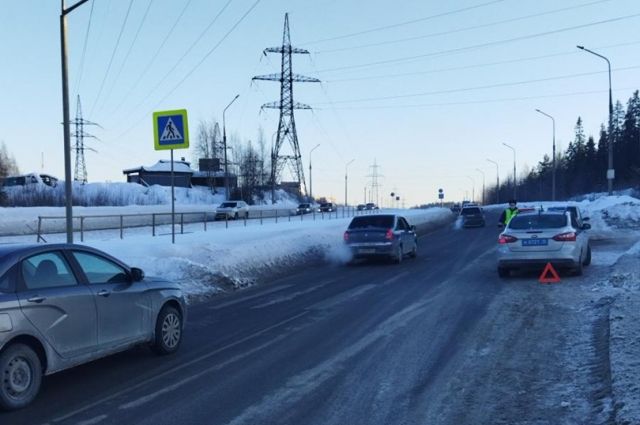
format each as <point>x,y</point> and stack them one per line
<point>544,277</point>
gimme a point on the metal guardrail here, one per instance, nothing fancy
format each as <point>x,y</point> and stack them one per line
<point>88,223</point>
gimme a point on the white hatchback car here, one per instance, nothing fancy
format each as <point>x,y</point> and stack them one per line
<point>531,240</point>
<point>232,210</point>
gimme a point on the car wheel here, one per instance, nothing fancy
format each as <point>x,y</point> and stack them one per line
<point>168,331</point>
<point>235,216</point>
<point>414,251</point>
<point>503,272</point>
<point>20,376</point>
<point>587,259</point>
<point>577,271</point>
<point>398,257</point>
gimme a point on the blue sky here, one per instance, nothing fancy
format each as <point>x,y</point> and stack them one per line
<point>429,100</point>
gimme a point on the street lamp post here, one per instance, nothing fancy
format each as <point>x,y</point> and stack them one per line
<point>610,169</point>
<point>310,176</point>
<point>481,172</point>
<point>515,190</point>
<point>65,118</point>
<point>497,180</point>
<point>473,188</point>
<point>345,181</point>
<point>224,143</point>
<point>553,159</point>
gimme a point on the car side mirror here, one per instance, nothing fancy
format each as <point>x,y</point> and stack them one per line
<point>586,226</point>
<point>137,274</point>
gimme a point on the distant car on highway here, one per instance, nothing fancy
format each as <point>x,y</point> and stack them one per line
<point>304,208</point>
<point>381,236</point>
<point>531,240</point>
<point>472,216</point>
<point>232,210</point>
<point>327,207</point>
<point>361,207</point>
<point>371,206</point>
<point>455,208</point>
<point>62,305</point>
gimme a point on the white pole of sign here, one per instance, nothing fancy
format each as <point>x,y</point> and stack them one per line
<point>173,207</point>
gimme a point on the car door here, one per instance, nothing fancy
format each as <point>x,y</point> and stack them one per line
<point>60,308</point>
<point>123,306</point>
<point>401,229</point>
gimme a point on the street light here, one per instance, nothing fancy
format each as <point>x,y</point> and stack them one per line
<point>497,180</point>
<point>553,160</point>
<point>345,180</point>
<point>473,188</point>
<point>224,143</point>
<point>65,118</point>
<point>310,177</point>
<point>515,192</point>
<point>481,172</point>
<point>610,170</point>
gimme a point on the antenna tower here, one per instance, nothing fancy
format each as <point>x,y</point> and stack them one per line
<point>79,134</point>
<point>374,184</point>
<point>286,105</point>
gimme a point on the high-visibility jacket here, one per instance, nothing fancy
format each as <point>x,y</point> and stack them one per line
<point>509,213</point>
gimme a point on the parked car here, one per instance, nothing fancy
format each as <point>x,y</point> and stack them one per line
<point>361,207</point>
<point>381,236</point>
<point>371,206</point>
<point>472,216</point>
<point>537,238</point>
<point>232,210</point>
<point>304,208</point>
<point>30,179</point>
<point>577,220</point>
<point>62,305</point>
<point>327,207</point>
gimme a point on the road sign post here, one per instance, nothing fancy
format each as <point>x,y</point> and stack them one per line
<point>171,131</point>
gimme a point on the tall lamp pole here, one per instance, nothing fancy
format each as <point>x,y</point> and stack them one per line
<point>224,145</point>
<point>310,176</point>
<point>68,188</point>
<point>515,190</point>
<point>345,180</point>
<point>473,189</point>
<point>610,169</point>
<point>497,180</point>
<point>481,172</point>
<point>553,159</point>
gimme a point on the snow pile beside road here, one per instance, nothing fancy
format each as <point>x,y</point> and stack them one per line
<point>225,259</point>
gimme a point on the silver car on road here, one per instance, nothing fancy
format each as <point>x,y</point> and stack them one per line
<point>62,305</point>
<point>533,239</point>
<point>381,236</point>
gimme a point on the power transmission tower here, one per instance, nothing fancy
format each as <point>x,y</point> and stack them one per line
<point>374,184</point>
<point>286,105</point>
<point>79,134</point>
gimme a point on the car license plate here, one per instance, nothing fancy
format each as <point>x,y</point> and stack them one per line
<point>366,251</point>
<point>535,242</point>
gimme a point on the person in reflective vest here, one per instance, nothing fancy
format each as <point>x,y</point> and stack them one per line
<point>508,214</point>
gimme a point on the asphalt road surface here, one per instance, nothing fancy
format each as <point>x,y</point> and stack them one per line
<point>439,339</point>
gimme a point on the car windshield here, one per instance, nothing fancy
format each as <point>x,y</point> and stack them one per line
<point>538,221</point>
<point>382,221</point>
<point>470,211</point>
<point>228,205</point>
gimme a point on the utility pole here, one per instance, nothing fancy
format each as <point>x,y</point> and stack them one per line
<point>553,160</point>
<point>515,193</point>
<point>310,178</point>
<point>68,189</point>
<point>481,172</point>
<point>473,188</point>
<point>224,146</point>
<point>374,183</point>
<point>286,105</point>
<point>497,180</point>
<point>81,164</point>
<point>345,182</point>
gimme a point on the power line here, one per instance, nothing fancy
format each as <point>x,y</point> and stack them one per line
<point>472,66</point>
<point>477,46</point>
<point>113,54</point>
<point>400,24</point>
<point>483,101</point>
<point>126,56</point>
<point>153,58</point>
<point>84,49</point>
<point>487,25</point>
<point>490,86</point>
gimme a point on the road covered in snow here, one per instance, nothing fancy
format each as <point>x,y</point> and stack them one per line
<point>435,340</point>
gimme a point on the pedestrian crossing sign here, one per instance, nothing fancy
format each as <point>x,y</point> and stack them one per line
<point>170,129</point>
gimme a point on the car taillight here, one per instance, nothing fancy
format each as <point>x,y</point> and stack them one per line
<point>565,237</point>
<point>503,239</point>
<point>346,236</point>
<point>389,234</point>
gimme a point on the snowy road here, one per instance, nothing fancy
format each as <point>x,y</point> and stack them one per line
<point>435,340</point>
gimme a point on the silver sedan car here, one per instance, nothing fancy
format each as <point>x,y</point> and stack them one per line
<point>381,236</point>
<point>62,305</point>
<point>531,240</point>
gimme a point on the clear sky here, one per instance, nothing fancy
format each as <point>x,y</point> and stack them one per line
<point>428,89</point>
